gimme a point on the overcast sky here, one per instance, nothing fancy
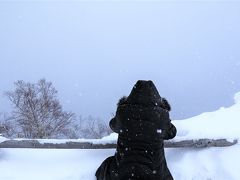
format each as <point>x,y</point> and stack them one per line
<point>94,52</point>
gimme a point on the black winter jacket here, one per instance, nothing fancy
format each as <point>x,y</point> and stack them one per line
<point>142,122</point>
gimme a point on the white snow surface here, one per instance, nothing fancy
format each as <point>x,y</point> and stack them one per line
<point>215,163</point>
<point>223,123</point>
<point>59,164</point>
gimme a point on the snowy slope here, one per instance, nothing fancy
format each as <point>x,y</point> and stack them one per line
<point>184,163</point>
<point>223,123</point>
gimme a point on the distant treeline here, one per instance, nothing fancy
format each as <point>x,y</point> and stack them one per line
<point>37,113</point>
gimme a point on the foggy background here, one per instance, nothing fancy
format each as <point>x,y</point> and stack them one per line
<point>94,52</point>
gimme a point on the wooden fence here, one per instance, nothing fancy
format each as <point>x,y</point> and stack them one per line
<point>200,143</point>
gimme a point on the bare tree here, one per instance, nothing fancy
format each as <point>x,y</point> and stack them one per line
<point>91,127</point>
<point>7,127</point>
<point>38,111</point>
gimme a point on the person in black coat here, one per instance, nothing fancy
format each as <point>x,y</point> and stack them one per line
<point>142,122</point>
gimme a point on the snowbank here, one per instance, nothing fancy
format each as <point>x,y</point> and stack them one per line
<point>111,139</point>
<point>223,123</point>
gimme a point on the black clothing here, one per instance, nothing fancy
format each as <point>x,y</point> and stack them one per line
<point>142,123</point>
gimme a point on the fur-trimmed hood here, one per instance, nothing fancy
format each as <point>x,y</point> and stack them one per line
<point>145,93</point>
<point>143,104</point>
<point>164,103</point>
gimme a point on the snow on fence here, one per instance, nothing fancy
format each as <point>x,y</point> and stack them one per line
<point>199,143</point>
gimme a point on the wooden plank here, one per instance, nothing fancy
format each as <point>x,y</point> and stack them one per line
<point>200,143</point>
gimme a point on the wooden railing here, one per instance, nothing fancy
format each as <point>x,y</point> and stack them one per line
<point>200,143</point>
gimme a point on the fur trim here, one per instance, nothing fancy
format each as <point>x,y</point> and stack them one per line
<point>165,104</point>
<point>122,100</point>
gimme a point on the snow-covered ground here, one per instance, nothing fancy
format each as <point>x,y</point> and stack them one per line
<point>223,123</point>
<point>184,163</point>
<point>45,164</point>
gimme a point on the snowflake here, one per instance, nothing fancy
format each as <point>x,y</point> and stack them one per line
<point>159,131</point>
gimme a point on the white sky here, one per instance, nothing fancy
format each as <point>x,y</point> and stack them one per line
<point>94,52</point>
